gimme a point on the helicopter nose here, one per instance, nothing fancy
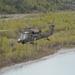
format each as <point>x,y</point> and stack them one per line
<point>19,40</point>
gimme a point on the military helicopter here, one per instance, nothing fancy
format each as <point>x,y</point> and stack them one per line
<point>33,35</point>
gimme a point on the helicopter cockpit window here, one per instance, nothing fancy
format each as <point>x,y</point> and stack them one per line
<point>23,36</point>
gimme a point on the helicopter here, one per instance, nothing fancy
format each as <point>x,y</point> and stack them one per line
<point>33,35</point>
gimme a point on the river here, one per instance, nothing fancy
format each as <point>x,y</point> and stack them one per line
<point>61,63</point>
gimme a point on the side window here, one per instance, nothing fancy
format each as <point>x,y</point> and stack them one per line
<point>24,36</point>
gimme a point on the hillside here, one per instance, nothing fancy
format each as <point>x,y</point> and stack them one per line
<point>28,6</point>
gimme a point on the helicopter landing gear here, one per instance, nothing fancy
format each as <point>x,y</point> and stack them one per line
<point>48,39</point>
<point>32,42</point>
<point>23,42</point>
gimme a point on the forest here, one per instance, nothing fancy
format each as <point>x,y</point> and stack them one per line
<point>12,52</point>
<point>34,6</point>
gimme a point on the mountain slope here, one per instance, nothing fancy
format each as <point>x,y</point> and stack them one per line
<point>25,6</point>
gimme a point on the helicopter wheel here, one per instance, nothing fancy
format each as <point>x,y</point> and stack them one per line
<point>22,42</point>
<point>48,39</point>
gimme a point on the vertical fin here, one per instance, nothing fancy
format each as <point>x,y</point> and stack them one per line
<point>52,29</point>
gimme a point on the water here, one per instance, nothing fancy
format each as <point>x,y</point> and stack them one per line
<point>61,64</point>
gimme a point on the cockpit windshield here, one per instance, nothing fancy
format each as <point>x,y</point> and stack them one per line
<point>23,36</point>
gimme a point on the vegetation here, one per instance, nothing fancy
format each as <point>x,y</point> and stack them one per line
<point>25,6</point>
<point>64,34</point>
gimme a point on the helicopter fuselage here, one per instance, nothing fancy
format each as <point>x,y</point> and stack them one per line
<point>28,37</point>
<point>34,35</point>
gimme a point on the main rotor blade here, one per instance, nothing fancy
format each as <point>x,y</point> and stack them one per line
<point>27,25</point>
<point>39,27</point>
<point>7,30</point>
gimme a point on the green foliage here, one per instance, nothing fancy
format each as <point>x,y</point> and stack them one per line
<point>25,6</point>
<point>64,34</point>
